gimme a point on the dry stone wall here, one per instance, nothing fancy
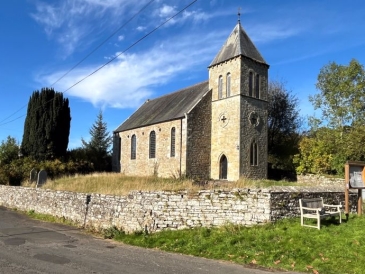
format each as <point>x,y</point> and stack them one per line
<point>156,211</point>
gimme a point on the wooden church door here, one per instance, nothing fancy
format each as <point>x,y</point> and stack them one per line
<point>223,166</point>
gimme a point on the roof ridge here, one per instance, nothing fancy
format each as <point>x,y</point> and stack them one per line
<point>167,107</point>
<point>176,91</point>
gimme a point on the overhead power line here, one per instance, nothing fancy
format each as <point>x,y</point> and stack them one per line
<point>112,59</point>
<point>128,48</point>
<point>102,43</point>
<point>2,122</point>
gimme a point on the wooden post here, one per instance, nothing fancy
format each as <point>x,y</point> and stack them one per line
<point>359,202</point>
<point>347,186</point>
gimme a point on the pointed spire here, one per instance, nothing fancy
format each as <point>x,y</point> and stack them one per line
<point>238,43</point>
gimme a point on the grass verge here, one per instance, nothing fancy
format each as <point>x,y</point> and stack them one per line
<point>49,218</point>
<point>284,245</point>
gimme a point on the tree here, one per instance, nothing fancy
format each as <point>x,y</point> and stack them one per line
<point>9,150</point>
<point>342,94</point>
<point>47,125</point>
<point>98,149</point>
<point>284,123</point>
<point>318,152</point>
<point>337,134</point>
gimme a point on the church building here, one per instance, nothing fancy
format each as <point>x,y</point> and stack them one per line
<point>216,129</point>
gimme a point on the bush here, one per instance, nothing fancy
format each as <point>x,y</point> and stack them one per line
<point>18,170</point>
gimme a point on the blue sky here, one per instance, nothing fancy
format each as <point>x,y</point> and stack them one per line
<point>42,40</point>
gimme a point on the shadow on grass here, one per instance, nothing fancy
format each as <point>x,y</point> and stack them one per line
<point>330,221</point>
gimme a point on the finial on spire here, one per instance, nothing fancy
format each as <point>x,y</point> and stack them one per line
<point>239,15</point>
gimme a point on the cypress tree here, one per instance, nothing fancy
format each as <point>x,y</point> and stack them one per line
<point>47,125</point>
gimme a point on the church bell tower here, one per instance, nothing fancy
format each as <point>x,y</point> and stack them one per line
<point>238,78</point>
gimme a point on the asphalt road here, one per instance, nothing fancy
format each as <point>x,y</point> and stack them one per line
<point>30,246</point>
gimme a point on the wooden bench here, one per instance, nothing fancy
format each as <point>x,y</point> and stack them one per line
<point>314,208</point>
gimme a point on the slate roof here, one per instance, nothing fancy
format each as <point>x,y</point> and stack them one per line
<point>166,108</point>
<point>238,43</point>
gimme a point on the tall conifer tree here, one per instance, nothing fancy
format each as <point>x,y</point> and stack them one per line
<point>47,125</point>
<point>98,148</point>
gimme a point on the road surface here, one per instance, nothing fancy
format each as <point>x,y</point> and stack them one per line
<point>31,246</point>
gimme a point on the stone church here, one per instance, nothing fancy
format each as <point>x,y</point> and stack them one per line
<point>216,129</point>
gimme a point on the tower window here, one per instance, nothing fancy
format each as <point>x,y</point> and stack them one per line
<point>257,86</point>
<point>133,147</point>
<point>254,154</point>
<point>152,149</point>
<point>250,83</point>
<point>220,86</point>
<point>228,84</point>
<point>172,151</point>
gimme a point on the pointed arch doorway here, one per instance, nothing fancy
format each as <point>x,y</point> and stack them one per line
<point>223,167</point>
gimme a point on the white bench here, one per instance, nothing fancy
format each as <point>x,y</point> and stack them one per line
<point>314,208</point>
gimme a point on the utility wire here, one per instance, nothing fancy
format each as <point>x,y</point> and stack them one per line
<point>102,43</point>
<point>135,43</point>
<point>115,57</point>
<point>82,60</point>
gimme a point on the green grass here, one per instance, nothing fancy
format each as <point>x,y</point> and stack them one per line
<point>283,245</point>
<point>49,218</point>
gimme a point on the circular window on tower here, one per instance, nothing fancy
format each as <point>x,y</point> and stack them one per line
<point>254,119</point>
<point>223,119</point>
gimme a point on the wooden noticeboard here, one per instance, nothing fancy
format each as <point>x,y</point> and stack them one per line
<point>354,179</point>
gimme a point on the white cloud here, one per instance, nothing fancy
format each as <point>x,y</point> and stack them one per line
<point>140,28</point>
<point>167,11</point>
<point>264,33</point>
<point>48,16</point>
<point>120,37</point>
<point>71,22</point>
<point>131,78</point>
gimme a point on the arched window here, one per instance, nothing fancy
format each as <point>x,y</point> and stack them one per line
<point>254,154</point>
<point>228,84</point>
<point>152,144</point>
<point>220,86</point>
<point>250,83</point>
<point>133,147</point>
<point>257,86</point>
<point>223,168</point>
<point>172,151</point>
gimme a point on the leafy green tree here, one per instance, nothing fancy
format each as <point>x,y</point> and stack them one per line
<point>284,123</point>
<point>47,125</point>
<point>318,152</point>
<point>337,134</point>
<point>98,149</point>
<point>9,150</point>
<point>342,94</point>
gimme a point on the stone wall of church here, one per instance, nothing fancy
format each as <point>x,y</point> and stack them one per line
<point>250,133</point>
<point>253,120</point>
<point>198,139</point>
<point>163,165</point>
<point>225,119</point>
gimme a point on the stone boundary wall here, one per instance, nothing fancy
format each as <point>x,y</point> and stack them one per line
<point>155,211</point>
<point>313,179</point>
